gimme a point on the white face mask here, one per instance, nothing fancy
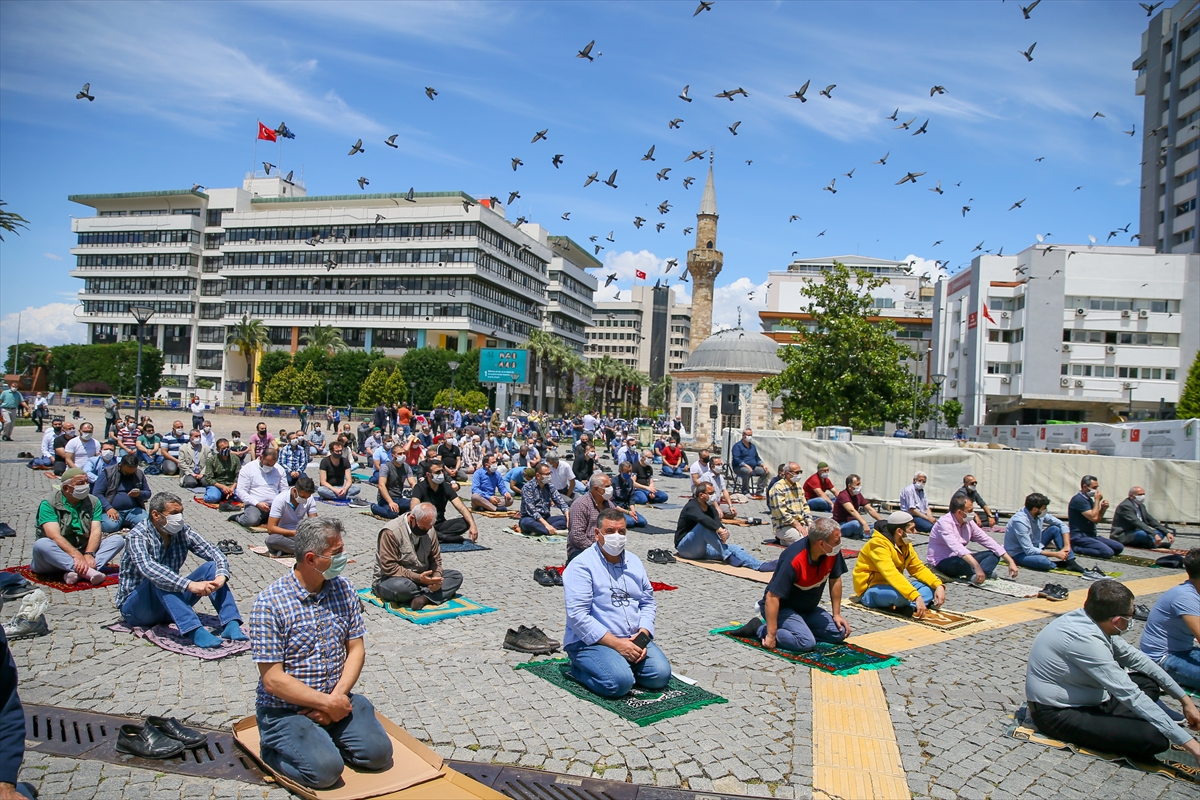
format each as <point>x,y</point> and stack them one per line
<point>81,491</point>
<point>1139,498</point>
<point>107,455</point>
<point>858,490</point>
<point>543,479</point>
<point>439,478</point>
<point>607,492</point>
<point>614,544</point>
<point>173,524</point>
<point>920,485</point>
<point>824,474</point>
<point>86,436</point>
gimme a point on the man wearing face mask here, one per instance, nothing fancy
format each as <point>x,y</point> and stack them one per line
<point>1085,510</point>
<point>221,469</point>
<point>408,562</point>
<point>207,437</point>
<point>337,483</point>
<point>123,491</point>
<point>60,447</point>
<point>914,501</point>
<point>538,498</point>
<point>848,508</point>
<point>192,456</point>
<point>105,459</point>
<point>1038,540</point>
<point>258,484</point>
<point>818,489</point>
<point>1087,686</point>
<point>610,604</point>
<point>983,514</point>
<point>792,615</point>
<point>152,590</point>
<point>1134,526</point>
<point>948,542</point>
<point>489,490</point>
<point>293,458</point>
<point>171,443</point>
<point>150,449</point>
<point>645,493</point>
<point>289,508</point>
<point>46,459</point>
<point>585,466</point>
<point>585,511</point>
<point>69,539</point>
<point>435,488</point>
<point>747,464</point>
<point>699,534</point>
<point>879,572</point>
<point>80,450</point>
<point>261,440</point>
<point>790,517</point>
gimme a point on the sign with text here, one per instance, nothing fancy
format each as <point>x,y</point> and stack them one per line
<point>498,365</point>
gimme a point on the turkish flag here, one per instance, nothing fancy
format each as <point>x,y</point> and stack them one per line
<point>265,133</point>
<point>641,275</point>
<point>986,315</point>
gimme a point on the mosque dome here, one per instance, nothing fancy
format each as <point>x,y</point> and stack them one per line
<point>735,350</point>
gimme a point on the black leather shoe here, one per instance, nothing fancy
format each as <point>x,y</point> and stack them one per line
<point>147,741</point>
<point>171,727</point>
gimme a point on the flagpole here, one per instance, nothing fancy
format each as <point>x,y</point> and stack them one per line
<point>254,158</point>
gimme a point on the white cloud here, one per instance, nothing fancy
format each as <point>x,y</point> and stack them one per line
<point>734,298</point>
<point>52,256</point>
<point>53,323</point>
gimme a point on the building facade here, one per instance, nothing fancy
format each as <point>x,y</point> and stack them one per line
<point>1068,333</point>
<point>393,271</point>
<point>571,291</point>
<point>1168,77</point>
<point>650,332</point>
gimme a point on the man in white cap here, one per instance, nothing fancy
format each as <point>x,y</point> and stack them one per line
<point>879,572</point>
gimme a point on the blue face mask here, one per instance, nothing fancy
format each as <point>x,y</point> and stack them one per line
<point>336,565</point>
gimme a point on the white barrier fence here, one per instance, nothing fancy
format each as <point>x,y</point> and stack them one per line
<point>1174,438</point>
<point>1005,476</point>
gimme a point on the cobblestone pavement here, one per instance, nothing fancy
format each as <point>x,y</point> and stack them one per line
<point>452,685</point>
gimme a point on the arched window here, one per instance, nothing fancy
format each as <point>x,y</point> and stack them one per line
<point>709,245</point>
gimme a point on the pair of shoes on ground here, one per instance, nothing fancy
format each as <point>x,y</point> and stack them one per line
<point>25,454</point>
<point>21,628</point>
<point>160,737</point>
<point>1141,612</point>
<point>230,547</point>
<point>6,531</point>
<point>547,577</point>
<point>358,502</point>
<point>1054,591</point>
<point>529,640</point>
<point>660,557</point>
<point>1092,574</point>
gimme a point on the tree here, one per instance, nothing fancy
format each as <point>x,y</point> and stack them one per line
<point>347,371</point>
<point>112,364</point>
<point>31,354</point>
<point>463,401</point>
<point>281,386</point>
<point>374,388</point>
<point>10,221</point>
<point>325,337</point>
<point>951,411</point>
<point>660,393</point>
<point>1189,402</point>
<point>430,370</point>
<point>848,370</point>
<point>249,337</point>
<point>396,389</point>
<point>271,363</point>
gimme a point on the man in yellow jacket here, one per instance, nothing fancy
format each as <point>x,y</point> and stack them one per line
<point>879,574</point>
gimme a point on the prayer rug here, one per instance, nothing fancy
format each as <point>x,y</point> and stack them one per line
<point>361,475</point>
<point>366,512</point>
<point>461,547</point>
<point>725,569</point>
<point>938,620</point>
<point>167,636</point>
<point>640,706</point>
<point>515,530</point>
<point>1022,729</point>
<point>345,501</point>
<point>457,606</point>
<point>997,586</point>
<point>1061,571</point>
<point>263,550</point>
<point>215,506</point>
<point>496,514</point>
<point>1135,561</point>
<point>1159,551</point>
<point>26,572</point>
<point>836,659</point>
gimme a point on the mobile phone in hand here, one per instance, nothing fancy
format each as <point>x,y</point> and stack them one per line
<point>642,639</point>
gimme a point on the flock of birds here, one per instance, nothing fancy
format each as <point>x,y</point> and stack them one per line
<point>589,53</point>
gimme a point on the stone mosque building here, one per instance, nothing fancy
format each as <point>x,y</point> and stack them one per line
<point>715,388</point>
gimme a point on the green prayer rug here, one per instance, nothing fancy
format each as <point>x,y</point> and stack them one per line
<point>836,659</point>
<point>640,706</point>
<point>1061,571</point>
<point>1134,561</point>
<point>457,606</point>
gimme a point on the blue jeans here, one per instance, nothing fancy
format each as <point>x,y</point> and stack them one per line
<point>1184,667</point>
<point>536,528</point>
<point>156,459</point>
<point>314,755</point>
<point>127,519</point>
<point>672,472</point>
<point>800,633</point>
<point>820,504</point>
<point>703,544</point>
<point>853,530</point>
<point>923,525</point>
<point>149,605</point>
<point>606,672</point>
<point>385,511</point>
<point>884,596</point>
<point>1141,539</point>
<point>214,495</point>
<point>1038,562</point>
<point>635,520</point>
<point>641,497</point>
<point>1095,546</point>
<point>957,567</point>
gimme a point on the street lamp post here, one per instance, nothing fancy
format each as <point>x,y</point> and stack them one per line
<point>938,380</point>
<point>412,393</point>
<point>142,314</point>
<point>328,383</point>
<point>453,369</point>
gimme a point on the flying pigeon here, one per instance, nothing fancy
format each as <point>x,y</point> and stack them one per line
<point>660,226</point>
<point>595,176</point>
<point>391,140</point>
<point>733,128</point>
<point>1098,114</point>
<point>379,218</point>
<point>540,135</point>
<point>637,222</point>
<point>357,148</point>
<point>1028,53</point>
<point>675,123</point>
<point>567,216</point>
<point>794,217</point>
<point>850,174</point>
<point>688,181</point>
<point>85,93</point>
<point>830,188</point>
<point>729,94</point>
<point>695,154</point>
<point>937,188</point>
<point>268,166</point>
<point>430,92</point>
<point>411,197</point>
<point>649,154</point>
<point>686,231</point>
<point>1026,9</point>
<point>905,125</point>
<point>884,159</point>
<point>828,90</point>
<point>799,94</point>
<point>895,116</point>
<point>516,162</point>
<point>1017,204</point>
<point>705,5</point>
<point>586,52</point>
<point>912,176</point>
<point>662,174</point>
<point>511,197</point>
<point>557,160</point>
<point>612,180</point>
<point>664,207</point>
<point>363,183</point>
<point>942,89</point>
<point>922,129</point>
<point>683,94</point>
<point>1149,9</point>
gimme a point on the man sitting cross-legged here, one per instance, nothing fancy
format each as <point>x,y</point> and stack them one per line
<point>948,542</point>
<point>792,616</point>
<point>790,517</point>
<point>153,591</point>
<point>307,633</point>
<point>1089,687</point>
<point>1033,528</point>
<point>1084,512</point>
<point>408,561</point>
<point>334,471</point>
<point>1169,637</point>
<point>123,490</point>
<point>914,501</point>
<point>395,476</point>
<point>69,539</point>
<point>489,490</point>
<point>289,508</point>
<point>699,534</point>
<point>609,604</point>
<point>847,510</point>
<point>1134,526</point>
<point>538,500</point>
<point>221,469</point>
<point>879,579</point>
<point>259,482</point>
<point>435,488</point>
<point>645,493</point>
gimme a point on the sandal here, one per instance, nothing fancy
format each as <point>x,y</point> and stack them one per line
<point>233,548</point>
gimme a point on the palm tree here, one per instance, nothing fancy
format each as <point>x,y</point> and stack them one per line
<point>11,221</point>
<point>325,337</point>
<point>249,337</point>
<point>540,346</point>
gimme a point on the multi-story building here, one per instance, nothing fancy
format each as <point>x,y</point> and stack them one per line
<point>393,271</point>
<point>1168,77</point>
<point>650,332</point>
<point>571,291</point>
<point>1068,333</point>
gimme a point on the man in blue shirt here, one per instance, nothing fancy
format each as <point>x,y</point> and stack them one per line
<point>489,489</point>
<point>609,604</point>
<point>1036,539</point>
<point>747,464</point>
<point>1084,512</point>
<point>1169,637</point>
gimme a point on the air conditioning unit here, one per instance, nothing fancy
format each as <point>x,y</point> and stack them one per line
<point>1078,384</point>
<point>1110,349</point>
<point>1004,315</point>
<point>1125,313</point>
<point>1144,314</point>
<point>1081,312</point>
<point>1064,382</point>
<point>1126,385</point>
<point>953,382</point>
<point>1066,348</point>
<point>1005,379</point>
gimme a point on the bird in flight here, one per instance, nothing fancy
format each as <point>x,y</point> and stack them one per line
<point>922,129</point>
<point>467,205</point>
<point>512,196</point>
<point>595,176</point>
<point>430,92</point>
<point>608,279</point>
<point>586,52</point>
<point>695,154</point>
<point>895,116</point>
<point>1132,130</point>
<point>672,264</point>
<point>637,221</point>
<point>828,91</point>
<point>733,128</point>
<point>850,174</point>
<point>884,159</point>
<point>612,180</point>
<point>1098,114</point>
<point>592,239</point>
<point>1028,53</point>
<point>357,148</point>
<point>1149,8</point>
<point>649,154</point>
<point>729,94</point>
<point>1017,204</point>
<point>557,160</point>
<point>937,188</point>
<point>197,187</point>
<point>664,207</point>
<point>658,228</point>
<point>688,181</point>
<point>830,188</point>
<point>363,183</point>
<point>85,93</point>
<point>1026,9</point>
<point>683,95</point>
<point>391,140</point>
<point>799,94</point>
<point>912,176</point>
<point>567,216</point>
<point>662,174</point>
<point>516,162</point>
<point>686,231</point>
<point>794,217</point>
<point>905,125</point>
<point>941,89</point>
<point>935,244</point>
<point>675,123</point>
<point>599,247</point>
<point>267,166</point>
<point>705,5</point>
<point>822,233</point>
<point>965,209</point>
<point>539,135</point>
<point>1040,159</point>
<point>977,247</point>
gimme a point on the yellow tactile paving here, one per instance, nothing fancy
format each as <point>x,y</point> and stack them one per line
<point>854,744</point>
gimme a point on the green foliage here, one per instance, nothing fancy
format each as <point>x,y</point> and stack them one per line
<point>249,337</point>
<point>11,221</point>
<point>385,384</point>
<point>951,411</point>
<point>318,358</point>
<point>205,383</point>
<point>32,354</point>
<point>294,386</point>
<point>347,372</point>
<point>325,338</point>
<point>272,363</point>
<point>1189,400</point>
<point>467,376</point>
<point>849,370</point>
<point>106,363</point>
<point>430,370</point>
<point>464,401</point>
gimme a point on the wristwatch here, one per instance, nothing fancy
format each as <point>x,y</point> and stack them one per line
<point>91,553</point>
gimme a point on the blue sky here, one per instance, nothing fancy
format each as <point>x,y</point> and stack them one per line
<point>179,87</point>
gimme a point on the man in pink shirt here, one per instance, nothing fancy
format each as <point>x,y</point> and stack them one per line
<point>948,551</point>
<point>261,440</point>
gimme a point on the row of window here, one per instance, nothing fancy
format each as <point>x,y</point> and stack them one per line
<point>173,307</point>
<point>138,237</point>
<point>617,335</point>
<point>139,285</point>
<point>138,260</point>
<point>1004,368</point>
<point>567,301</point>
<point>161,212</point>
<point>610,348</point>
<point>213,263</point>
<point>1006,336</point>
<point>568,324</point>
<point>210,334</point>
<point>210,359</point>
<point>1006,303</point>
<point>303,233</point>
<point>1121,337</point>
<point>618,323</point>
<point>1123,304</point>
<point>569,282</point>
<point>1107,371</point>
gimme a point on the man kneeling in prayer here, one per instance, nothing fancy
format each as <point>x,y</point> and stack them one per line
<point>792,615</point>
<point>408,561</point>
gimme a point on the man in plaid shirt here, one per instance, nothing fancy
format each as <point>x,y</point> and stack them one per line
<point>307,633</point>
<point>153,591</point>
<point>537,498</point>
<point>293,458</point>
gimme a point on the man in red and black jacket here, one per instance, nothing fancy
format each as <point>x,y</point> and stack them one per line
<point>793,617</point>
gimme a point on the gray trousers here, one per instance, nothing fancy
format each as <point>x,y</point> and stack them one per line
<point>403,590</point>
<point>251,516</point>
<point>49,558</point>
<point>284,544</point>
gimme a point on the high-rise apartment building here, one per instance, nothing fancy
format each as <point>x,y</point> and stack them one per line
<point>650,332</point>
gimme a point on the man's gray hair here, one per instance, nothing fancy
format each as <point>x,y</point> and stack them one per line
<point>160,500</point>
<point>919,474</point>
<point>424,514</point>
<point>822,530</point>
<point>597,480</point>
<point>315,534</point>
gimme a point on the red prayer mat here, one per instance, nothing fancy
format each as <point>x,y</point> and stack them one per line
<point>28,574</point>
<point>215,506</point>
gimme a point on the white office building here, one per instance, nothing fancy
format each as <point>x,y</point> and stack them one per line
<point>650,332</point>
<point>1068,333</point>
<point>392,271</point>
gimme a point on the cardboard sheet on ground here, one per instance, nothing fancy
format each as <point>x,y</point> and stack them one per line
<point>417,773</point>
<point>941,619</point>
<point>496,514</point>
<point>725,569</point>
<point>263,550</point>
